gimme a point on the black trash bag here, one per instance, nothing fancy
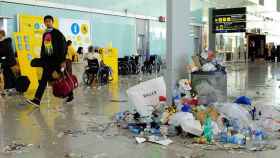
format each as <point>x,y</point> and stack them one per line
<point>22,84</point>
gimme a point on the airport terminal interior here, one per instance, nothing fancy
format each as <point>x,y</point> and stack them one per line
<point>139,78</point>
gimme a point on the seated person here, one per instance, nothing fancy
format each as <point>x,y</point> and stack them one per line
<point>93,54</point>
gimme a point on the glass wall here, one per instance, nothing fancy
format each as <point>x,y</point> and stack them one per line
<point>119,31</point>
<point>158,38</point>
<point>143,7</point>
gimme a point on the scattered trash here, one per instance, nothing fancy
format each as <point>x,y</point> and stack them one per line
<point>140,140</point>
<point>154,139</point>
<point>16,147</point>
<point>85,113</point>
<point>74,133</point>
<point>187,122</point>
<point>69,155</point>
<point>73,155</point>
<point>243,100</point>
<point>197,115</point>
<point>160,140</point>
<point>61,134</point>
<point>118,101</point>
<point>102,155</point>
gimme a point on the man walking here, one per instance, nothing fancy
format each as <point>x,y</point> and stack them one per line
<point>53,56</point>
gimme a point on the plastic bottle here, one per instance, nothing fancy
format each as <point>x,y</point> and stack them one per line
<point>208,131</point>
<point>223,135</point>
<point>257,138</point>
<point>147,130</point>
<point>155,131</point>
<point>177,103</point>
<point>134,130</point>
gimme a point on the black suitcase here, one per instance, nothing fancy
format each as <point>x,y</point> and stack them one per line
<point>22,84</point>
<point>37,62</point>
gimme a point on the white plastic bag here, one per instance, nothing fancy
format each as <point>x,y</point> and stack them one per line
<point>209,67</point>
<point>236,112</point>
<point>187,122</point>
<point>145,95</point>
<point>208,94</point>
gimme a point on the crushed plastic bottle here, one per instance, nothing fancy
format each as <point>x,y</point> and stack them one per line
<point>208,131</point>
<point>177,103</point>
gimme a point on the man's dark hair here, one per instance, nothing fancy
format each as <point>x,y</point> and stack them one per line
<point>48,17</point>
<point>90,49</point>
<point>69,42</point>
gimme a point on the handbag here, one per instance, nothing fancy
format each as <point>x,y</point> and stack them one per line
<point>65,85</point>
<point>22,84</point>
<point>37,62</point>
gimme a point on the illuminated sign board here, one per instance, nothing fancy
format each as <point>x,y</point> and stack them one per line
<point>229,20</point>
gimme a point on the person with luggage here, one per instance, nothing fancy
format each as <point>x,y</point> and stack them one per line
<point>7,61</point>
<point>53,56</point>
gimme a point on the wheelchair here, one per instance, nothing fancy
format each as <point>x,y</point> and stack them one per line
<point>102,74</point>
<point>129,65</point>
<point>152,65</point>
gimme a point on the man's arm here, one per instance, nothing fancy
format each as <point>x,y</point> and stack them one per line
<point>10,54</point>
<point>42,47</point>
<point>61,46</point>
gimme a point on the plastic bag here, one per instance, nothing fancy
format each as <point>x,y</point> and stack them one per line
<point>187,122</point>
<point>207,93</point>
<point>209,67</point>
<point>146,95</point>
<point>237,113</point>
<point>243,100</point>
<point>270,118</point>
<point>204,55</point>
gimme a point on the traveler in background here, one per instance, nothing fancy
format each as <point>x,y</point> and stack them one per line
<point>278,53</point>
<point>7,60</point>
<point>53,56</point>
<point>273,53</point>
<point>71,53</point>
<point>81,53</point>
<point>252,50</point>
<point>266,56</point>
<point>80,50</point>
<point>269,52</point>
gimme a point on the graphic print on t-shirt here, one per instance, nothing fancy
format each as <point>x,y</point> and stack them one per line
<point>48,44</point>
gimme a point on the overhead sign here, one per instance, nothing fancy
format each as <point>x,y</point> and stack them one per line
<point>78,31</point>
<point>229,20</point>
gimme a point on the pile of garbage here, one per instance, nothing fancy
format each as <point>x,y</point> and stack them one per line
<point>238,123</point>
<point>206,62</point>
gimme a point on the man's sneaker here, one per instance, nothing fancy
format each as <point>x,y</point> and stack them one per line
<point>34,102</point>
<point>70,99</point>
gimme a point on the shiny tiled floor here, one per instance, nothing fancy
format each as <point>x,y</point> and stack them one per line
<point>93,108</point>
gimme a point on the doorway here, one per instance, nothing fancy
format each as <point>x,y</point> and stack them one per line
<point>256,46</point>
